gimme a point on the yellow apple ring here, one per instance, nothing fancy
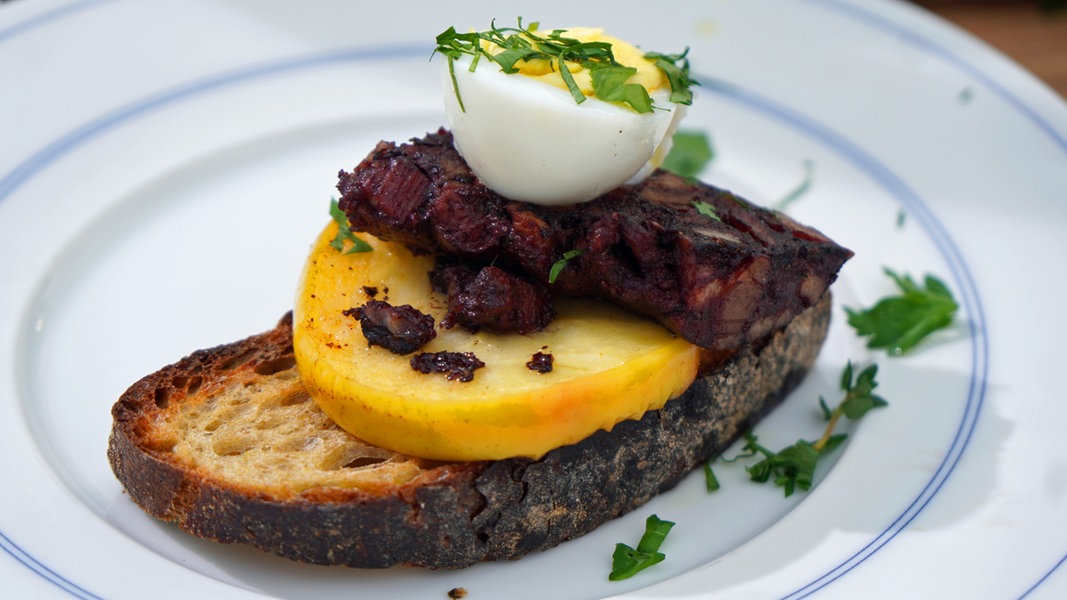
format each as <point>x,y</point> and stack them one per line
<point>609,365</point>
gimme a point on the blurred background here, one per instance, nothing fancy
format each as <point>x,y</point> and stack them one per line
<point>1031,32</point>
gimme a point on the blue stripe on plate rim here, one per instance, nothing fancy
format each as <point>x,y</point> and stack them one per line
<point>968,292</point>
<point>47,17</point>
<point>967,295</point>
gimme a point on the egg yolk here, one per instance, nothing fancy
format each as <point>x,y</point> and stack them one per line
<point>537,131</point>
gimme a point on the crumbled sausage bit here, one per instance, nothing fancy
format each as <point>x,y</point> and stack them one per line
<point>491,298</point>
<point>540,362</point>
<point>455,365</point>
<point>370,290</point>
<point>399,329</point>
<point>457,593</point>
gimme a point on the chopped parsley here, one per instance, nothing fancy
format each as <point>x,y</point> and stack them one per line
<point>525,43</point>
<point>344,232</point>
<point>800,189</point>
<point>676,68</point>
<point>627,562</point>
<point>790,467</point>
<point>710,480</point>
<point>706,209</point>
<point>559,265</point>
<point>691,153</point>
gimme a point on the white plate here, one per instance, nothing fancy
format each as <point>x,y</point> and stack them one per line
<point>165,165</point>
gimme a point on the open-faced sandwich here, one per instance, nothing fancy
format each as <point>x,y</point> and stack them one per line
<point>513,330</point>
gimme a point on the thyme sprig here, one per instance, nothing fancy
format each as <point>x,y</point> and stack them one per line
<point>526,43</point>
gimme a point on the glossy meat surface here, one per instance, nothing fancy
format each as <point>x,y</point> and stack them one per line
<point>714,268</point>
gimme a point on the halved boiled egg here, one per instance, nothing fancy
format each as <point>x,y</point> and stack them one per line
<point>528,138</point>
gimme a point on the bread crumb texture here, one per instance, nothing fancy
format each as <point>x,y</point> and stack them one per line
<point>267,433</point>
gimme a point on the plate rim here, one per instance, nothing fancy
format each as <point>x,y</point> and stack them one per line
<point>28,169</point>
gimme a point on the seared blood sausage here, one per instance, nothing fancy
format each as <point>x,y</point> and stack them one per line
<point>714,268</point>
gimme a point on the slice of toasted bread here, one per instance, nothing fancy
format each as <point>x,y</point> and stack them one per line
<point>226,444</point>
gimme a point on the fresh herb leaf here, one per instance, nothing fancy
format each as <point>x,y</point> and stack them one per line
<point>899,323</point>
<point>676,68</point>
<point>798,191</point>
<point>746,453</point>
<point>742,203</point>
<point>455,84</point>
<point>793,467</point>
<point>559,265</point>
<point>790,467</point>
<point>706,209</point>
<point>833,442</point>
<point>691,153</point>
<point>344,232</point>
<point>528,43</point>
<point>627,562</point>
<point>859,393</point>
<point>611,86</point>
<point>826,412</point>
<point>568,78</point>
<point>710,479</point>
<point>656,530</point>
<point>859,399</point>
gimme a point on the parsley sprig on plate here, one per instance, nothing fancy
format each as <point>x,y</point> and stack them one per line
<point>793,467</point>
<point>628,561</point>
<point>898,323</point>
<point>526,43</point>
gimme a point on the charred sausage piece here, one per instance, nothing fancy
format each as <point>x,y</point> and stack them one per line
<point>398,329</point>
<point>714,268</point>
<point>491,298</point>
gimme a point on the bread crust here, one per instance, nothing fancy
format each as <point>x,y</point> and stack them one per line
<point>448,515</point>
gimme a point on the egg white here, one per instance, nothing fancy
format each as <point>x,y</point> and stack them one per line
<point>530,141</point>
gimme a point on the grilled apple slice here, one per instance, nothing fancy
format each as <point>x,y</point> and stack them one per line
<point>609,365</point>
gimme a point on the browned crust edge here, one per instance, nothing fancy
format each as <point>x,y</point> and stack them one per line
<point>454,515</point>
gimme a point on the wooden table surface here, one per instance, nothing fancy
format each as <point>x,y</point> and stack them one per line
<point>1033,33</point>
